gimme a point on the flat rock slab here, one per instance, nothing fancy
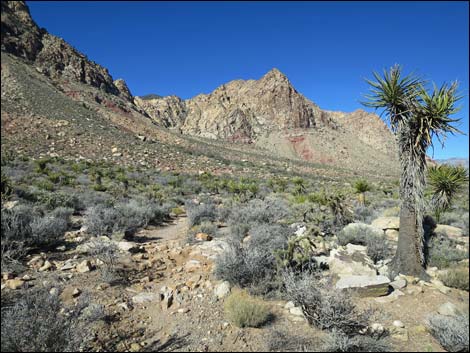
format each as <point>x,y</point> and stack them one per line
<point>368,286</point>
<point>386,223</point>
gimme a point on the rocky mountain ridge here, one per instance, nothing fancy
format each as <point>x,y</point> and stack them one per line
<point>268,114</point>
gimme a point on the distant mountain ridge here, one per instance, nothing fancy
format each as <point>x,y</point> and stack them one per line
<point>454,161</point>
<point>268,113</point>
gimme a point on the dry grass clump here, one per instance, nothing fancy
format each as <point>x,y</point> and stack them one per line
<point>246,311</point>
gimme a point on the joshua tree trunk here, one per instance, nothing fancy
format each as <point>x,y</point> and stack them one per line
<point>409,258</point>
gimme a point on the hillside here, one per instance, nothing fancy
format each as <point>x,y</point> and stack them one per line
<point>265,121</point>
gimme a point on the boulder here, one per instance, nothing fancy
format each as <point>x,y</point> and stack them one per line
<point>349,260</point>
<point>385,223</point>
<point>451,232</point>
<point>448,309</point>
<point>368,286</point>
<point>392,234</point>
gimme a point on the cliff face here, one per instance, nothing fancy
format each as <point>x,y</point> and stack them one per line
<point>51,55</point>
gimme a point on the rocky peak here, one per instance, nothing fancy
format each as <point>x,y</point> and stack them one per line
<point>50,55</point>
<point>124,91</point>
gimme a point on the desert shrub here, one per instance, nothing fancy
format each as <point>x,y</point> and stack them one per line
<point>364,214</point>
<point>6,187</point>
<point>124,216</point>
<point>442,252</point>
<point>36,323</point>
<point>24,227</point>
<point>52,200</point>
<point>107,252</point>
<point>139,213</point>
<point>199,213</point>
<point>363,234</point>
<point>456,278</point>
<point>246,311</point>
<point>101,220</point>
<point>323,307</point>
<point>253,263</point>
<point>47,230</point>
<point>377,248</point>
<point>282,341</point>
<point>338,341</point>
<point>357,233</point>
<point>451,332</point>
<point>269,210</point>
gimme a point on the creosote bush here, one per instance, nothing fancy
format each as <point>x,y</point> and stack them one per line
<point>442,252</point>
<point>451,332</point>
<point>200,213</point>
<point>456,278</point>
<point>36,323</point>
<point>338,341</point>
<point>246,311</point>
<point>324,307</point>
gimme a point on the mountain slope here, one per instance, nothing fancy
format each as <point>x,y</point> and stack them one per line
<point>55,101</point>
<point>271,114</point>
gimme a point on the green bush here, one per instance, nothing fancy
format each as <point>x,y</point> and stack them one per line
<point>246,311</point>
<point>442,252</point>
<point>456,278</point>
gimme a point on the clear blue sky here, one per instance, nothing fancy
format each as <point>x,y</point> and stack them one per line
<point>325,48</point>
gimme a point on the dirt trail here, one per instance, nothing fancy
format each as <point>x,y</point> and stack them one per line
<point>176,230</point>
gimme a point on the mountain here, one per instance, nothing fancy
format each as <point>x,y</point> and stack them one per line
<point>454,161</point>
<point>271,114</point>
<point>56,101</point>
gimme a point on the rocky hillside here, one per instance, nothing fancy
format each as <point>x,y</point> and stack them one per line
<point>265,121</point>
<point>49,54</point>
<point>274,116</point>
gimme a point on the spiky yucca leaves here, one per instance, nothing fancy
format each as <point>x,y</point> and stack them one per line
<point>361,186</point>
<point>445,181</point>
<point>393,93</point>
<point>415,116</point>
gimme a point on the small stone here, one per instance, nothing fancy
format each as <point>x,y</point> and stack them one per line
<point>54,291</point>
<point>377,328</point>
<point>398,323</point>
<point>448,309</point>
<point>15,283</point>
<point>289,305</point>
<point>183,310</point>
<point>76,292</point>
<point>47,265</point>
<point>144,297</point>
<point>84,266</point>
<point>400,333</point>
<point>203,237</point>
<point>399,283</point>
<point>222,289</point>
<point>26,278</point>
<point>296,311</point>
<point>135,347</point>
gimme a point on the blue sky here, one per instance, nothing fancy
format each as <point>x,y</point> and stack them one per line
<point>325,48</point>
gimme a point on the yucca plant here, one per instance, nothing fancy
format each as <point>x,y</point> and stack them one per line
<point>445,181</point>
<point>416,116</point>
<point>361,187</point>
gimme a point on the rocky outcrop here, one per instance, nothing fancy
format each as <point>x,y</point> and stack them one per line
<point>272,114</point>
<point>167,111</point>
<point>124,91</point>
<point>50,55</point>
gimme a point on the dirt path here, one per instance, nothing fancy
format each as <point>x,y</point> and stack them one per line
<point>176,230</point>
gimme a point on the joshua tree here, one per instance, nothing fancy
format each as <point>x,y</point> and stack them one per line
<point>445,181</point>
<point>361,187</point>
<point>415,116</point>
